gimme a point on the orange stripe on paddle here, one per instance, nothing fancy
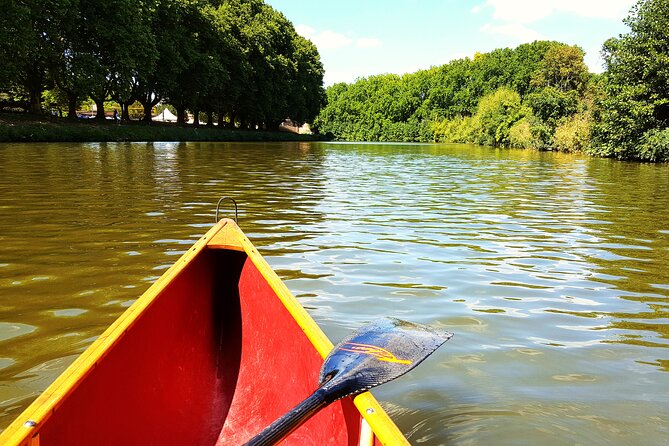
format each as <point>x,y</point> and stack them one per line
<point>379,353</point>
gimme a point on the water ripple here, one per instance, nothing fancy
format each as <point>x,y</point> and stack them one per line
<point>550,269</point>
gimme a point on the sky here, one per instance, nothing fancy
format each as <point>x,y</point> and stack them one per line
<point>359,38</point>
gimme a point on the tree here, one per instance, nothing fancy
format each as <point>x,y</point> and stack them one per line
<point>29,35</point>
<point>268,39</point>
<point>562,68</point>
<point>179,55</point>
<point>452,90</point>
<point>496,114</point>
<point>163,20</point>
<point>208,73</point>
<point>527,59</point>
<point>551,104</point>
<point>636,83</point>
<point>14,36</point>
<point>413,107</point>
<point>307,94</point>
<point>115,44</point>
<point>69,66</point>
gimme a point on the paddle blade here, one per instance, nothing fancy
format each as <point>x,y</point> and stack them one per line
<point>377,353</point>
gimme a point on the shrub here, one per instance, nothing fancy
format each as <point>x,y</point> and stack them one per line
<point>520,135</point>
<point>551,105</point>
<point>574,133</point>
<point>459,129</point>
<point>655,145</point>
<point>495,115</point>
<point>542,133</point>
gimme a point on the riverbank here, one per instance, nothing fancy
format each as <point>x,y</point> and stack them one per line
<point>30,128</point>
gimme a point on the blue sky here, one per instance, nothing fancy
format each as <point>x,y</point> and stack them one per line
<point>358,38</point>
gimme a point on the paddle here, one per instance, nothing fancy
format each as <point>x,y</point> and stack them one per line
<point>372,355</point>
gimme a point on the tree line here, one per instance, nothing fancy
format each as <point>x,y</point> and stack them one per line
<point>538,95</point>
<point>239,62</point>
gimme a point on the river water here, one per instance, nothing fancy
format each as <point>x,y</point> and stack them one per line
<point>551,269</point>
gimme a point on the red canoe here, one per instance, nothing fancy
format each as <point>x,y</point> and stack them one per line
<point>211,354</point>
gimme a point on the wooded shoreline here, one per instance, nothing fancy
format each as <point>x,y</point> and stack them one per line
<point>539,95</point>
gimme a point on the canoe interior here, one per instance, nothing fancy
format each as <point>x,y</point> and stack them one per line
<point>215,358</point>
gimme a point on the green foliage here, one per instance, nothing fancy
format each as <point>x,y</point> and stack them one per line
<point>378,108</point>
<point>28,37</point>
<point>635,107</point>
<point>54,100</point>
<point>13,38</point>
<point>527,59</point>
<point>447,91</point>
<point>467,100</point>
<point>574,133</point>
<point>562,68</point>
<point>542,133</point>
<point>495,123</point>
<point>622,119</point>
<point>521,136</point>
<point>239,58</point>
<point>496,114</point>
<point>460,129</point>
<point>550,104</point>
<point>655,145</point>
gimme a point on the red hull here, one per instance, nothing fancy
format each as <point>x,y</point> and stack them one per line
<point>209,355</point>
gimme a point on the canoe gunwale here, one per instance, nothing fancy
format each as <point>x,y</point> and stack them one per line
<point>24,431</point>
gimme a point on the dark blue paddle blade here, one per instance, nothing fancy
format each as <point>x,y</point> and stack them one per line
<point>377,353</point>
<point>372,355</point>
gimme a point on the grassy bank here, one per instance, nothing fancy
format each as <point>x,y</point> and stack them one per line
<point>26,128</point>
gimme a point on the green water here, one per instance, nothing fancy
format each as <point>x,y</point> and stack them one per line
<point>550,269</point>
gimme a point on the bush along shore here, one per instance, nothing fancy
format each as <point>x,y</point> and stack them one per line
<point>27,128</point>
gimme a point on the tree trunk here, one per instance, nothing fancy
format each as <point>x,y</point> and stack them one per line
<point>221,119</point>
<point>148,106</point>
<point>181,115</point>
<point>125,112</point>
<point>34,83</point>
<point>35,102</point>
<point>72,100</point>
<point>210,118</point>
<point>196,118</point>
<point>100,105</point>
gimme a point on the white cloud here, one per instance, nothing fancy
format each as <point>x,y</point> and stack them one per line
<point>513,18</point>
<point>368,42</point>
<point>324,40</point>
<point>516,31</point>
<point>305,30</point>
<point>331,40</point>
<point>529,11</point>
